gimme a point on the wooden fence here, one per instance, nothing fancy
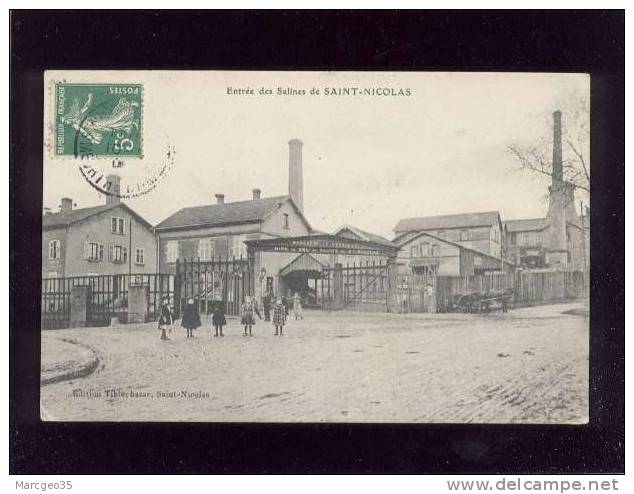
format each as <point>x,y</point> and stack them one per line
<point>530,287</point>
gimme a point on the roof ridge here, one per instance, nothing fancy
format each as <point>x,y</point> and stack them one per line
<point>236,202</point>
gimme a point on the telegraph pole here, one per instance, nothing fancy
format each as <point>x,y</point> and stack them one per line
<point>583,251</point>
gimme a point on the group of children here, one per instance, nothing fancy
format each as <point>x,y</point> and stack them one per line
<point>191,318</point>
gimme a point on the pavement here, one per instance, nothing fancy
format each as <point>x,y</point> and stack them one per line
<point>527,366</point>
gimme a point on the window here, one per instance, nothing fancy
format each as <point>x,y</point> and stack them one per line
<point>286,225</point>
<point>53,249</point>
<point>424,250</point>
<point>435,250</point>
<point>172,250</point>
<point>238,247</point>
<point>117,225</point>
<point>118,254</point>
<point>414,251</point>
<point>139,256</point>
<point>513,238</point>
<point>538,238</point>
<point>93,251</point>
<point>524,239</point>
<point>464,234</point>
<point>206,249</point>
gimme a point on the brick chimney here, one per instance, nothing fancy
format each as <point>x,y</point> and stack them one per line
<point>295,176</point>
<point>556,243</point>
<point>67,205</point>
<point>220,198</point>
<point>113,188</point>
<point>257,194</point>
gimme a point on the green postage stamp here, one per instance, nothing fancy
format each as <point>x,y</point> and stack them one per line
<point>98,120</point>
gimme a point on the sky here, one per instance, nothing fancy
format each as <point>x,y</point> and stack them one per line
<point>368,160</point>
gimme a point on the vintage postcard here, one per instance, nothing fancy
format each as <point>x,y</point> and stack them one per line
<point>362,247</point>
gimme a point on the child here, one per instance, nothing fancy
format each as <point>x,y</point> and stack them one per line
<point>191,318</point>
<point>165,318</point>
<point>248,309</point>
<point>218,319</point>
<point>279,316</point>
<point>297,306</point>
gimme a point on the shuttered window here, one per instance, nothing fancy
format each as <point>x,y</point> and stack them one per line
<point>118,254</point>
<point>93,251</point>
<point>53,249</point>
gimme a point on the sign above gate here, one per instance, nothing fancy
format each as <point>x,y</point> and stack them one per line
<point>322,244</point>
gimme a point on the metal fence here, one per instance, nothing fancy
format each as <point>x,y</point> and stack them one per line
<point>364,286</point>
<point>224,279</point>
<point>107,297</point>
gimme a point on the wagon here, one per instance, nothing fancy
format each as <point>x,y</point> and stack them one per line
<point>483,302</point>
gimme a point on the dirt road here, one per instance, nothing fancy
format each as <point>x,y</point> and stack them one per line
<point>527,366</point>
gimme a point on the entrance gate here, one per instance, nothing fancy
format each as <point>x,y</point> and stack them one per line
<point>355,286</point>
<point>226,280</point>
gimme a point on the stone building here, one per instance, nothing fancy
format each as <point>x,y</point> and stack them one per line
<point>218,231</point>
<point>107,239</point>
<point>426,254</point>
<point>525,242</point>
<point>482,232</point>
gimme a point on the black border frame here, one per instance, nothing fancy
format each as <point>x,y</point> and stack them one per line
<point>562,41</point>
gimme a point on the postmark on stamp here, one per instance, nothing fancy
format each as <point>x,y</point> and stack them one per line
<point>98,120</point>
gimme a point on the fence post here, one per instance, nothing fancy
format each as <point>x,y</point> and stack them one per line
<point>79,306</point>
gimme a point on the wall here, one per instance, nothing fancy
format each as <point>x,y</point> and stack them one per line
<point>274,224</point>
<point>487,239</point>
<point>227,239</point>
<point>97,229</point>
<point>448,260</point>
<point>54,265</point>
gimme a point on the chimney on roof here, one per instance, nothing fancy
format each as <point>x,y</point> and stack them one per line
<point>113,189</point>
<point>220,198</point>
<point>47,211</point>
<point>295,178</point>
<point>257,194</point>
<point>67,205</point>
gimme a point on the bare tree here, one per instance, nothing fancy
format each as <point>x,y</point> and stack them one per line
<point>536,157</point>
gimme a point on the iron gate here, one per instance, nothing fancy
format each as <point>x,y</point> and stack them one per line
<point>227,280</point>
<point>107,297</point>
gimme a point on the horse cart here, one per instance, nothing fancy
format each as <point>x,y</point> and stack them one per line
<point>477,302</point>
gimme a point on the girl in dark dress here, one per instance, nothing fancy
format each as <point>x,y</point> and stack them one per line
<point>165,318</point>
<point>218,319</point>
<point>191,318</point>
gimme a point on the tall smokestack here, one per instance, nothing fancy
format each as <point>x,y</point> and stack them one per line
<point>295,178</point>
<point>556,240</point>
<point>113,187</point>
<point>558,167</point>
